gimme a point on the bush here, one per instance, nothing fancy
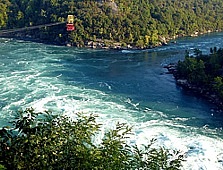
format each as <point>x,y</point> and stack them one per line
<point>2,167</point>
<point>49,141</point>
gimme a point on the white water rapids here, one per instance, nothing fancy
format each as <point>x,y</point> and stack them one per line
<point>119,86</point>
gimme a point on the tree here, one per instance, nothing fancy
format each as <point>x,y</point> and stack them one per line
<point>204,72</point>
<point>4,4</point>
<point>192,69</point>
<point>218,86</point>
<point>119,20</point>
<point>50,141</point>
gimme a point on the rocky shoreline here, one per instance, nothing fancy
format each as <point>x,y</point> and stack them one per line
<point>94,44</point>
<point>203,92</point>
<point>114,45</point>
<point>110,44</point>
<point>100,43</point>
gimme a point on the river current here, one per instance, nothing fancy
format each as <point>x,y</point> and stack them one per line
<point>119,86</point>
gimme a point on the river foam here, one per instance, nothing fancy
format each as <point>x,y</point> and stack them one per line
<point>69,80</point>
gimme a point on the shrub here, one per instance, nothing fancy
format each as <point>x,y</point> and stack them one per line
<point>49,141</point>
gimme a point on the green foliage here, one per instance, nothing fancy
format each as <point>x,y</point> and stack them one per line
<point>193,70</point>
<point>218,86</point>
<point>203,70</point>
<point>48,141</point>
<point>2,167</point>
<point>118,20</point>
<point>4,4</point>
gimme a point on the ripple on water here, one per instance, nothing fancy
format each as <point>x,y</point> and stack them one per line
<point>70,80</point>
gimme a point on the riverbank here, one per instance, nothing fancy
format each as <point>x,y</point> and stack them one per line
<point>118,87</point>
<point>204,92</point>
<point>35,36</point>
<point>99,43</point>
<point>111,44</point>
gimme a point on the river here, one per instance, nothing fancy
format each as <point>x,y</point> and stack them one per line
<point>120,86</point>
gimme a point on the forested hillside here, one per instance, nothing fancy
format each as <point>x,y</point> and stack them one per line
<point>201,74</point>
<point>139,23</point>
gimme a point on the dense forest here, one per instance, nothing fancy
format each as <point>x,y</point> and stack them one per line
<point>140,23</point>
<point>202,74</point>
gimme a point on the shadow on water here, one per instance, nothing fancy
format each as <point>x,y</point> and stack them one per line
<point>135,75</point>
<point>139,76</point>
<point>129,86</point>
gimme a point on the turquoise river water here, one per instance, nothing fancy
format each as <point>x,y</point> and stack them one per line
<point>120,86</point>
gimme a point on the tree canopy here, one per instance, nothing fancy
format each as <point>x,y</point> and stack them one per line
<point>204,71</point>
<point>52,141</point>
<point>4,5</point>
<point>137,22</point>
